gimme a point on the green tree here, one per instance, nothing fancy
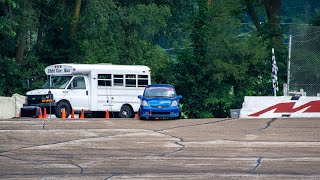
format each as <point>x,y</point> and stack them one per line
<point>56,42</point>
<point>271,18</point>
<point>123,34</point>
<point>223,65</point>
<point>266,17</point>
<point>17,24</point>
<point>316,19</point>
<point>7,28</point>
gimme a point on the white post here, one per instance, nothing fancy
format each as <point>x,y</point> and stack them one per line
<point>285,89</point>
<point>50,82</point>
<point>289,64</point>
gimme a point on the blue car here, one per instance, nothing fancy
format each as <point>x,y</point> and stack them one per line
<point>159,101</point>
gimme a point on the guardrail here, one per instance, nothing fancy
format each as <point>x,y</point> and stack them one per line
<point>281,106</point>
<point>10,106</point>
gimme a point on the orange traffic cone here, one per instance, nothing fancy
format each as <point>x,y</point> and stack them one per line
<point>137,115</point>
<point>107,114</point>
<point>44,113</point>
<point>63,113</point>
<point>82,114</point>
<point>19,114</point>
<point>150,113</point>
<point>40,114</point>
<point>72,113</point>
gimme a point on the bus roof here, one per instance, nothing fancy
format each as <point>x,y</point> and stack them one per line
<point>71,69</point>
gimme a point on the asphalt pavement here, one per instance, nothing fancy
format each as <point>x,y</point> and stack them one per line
<point>160,149</point>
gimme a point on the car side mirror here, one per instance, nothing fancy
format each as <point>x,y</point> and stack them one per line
<point>140,97</point>
<point>179,97</point>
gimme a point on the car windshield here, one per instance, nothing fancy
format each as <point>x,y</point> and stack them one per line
<point>57,82</point>
<point>159,92</point>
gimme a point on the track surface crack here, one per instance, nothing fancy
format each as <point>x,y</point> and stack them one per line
<point>182,146</point>
<point>176,142</point>
<point>258,163</point>
<point>267,125</point>
<point>190,125</point>
<point>44,125</point>
<point>81,168</point>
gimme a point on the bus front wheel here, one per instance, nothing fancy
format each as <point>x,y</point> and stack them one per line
<point>59,108</point>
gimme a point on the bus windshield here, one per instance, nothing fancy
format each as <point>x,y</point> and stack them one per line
<point>159,92</point>
<point>57,82</point>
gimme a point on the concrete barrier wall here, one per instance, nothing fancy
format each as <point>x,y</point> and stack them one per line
<point>10,106</point>
<point>281,106</point>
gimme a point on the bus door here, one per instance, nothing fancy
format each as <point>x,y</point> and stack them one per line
<point>78,94</point>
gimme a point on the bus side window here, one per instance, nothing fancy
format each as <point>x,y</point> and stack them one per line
<point>118,80</point>
<point>142,80</point>
<point>131,80</point>
<point>104,79</point>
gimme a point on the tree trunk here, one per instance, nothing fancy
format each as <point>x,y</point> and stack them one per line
<point>75,17</point>
<point>10,12</point>
<point>273,13</point>
<point>40,29</point>
<point>253,14</point>
<point>21,33</point>
<point>20,48</point>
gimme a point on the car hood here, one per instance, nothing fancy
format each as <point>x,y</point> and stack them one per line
<point>159,101</point>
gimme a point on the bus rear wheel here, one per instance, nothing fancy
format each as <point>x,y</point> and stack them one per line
<point>126,112</point>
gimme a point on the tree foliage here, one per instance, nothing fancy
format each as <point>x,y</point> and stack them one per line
<point>198,45</point>
<point>222,66</point>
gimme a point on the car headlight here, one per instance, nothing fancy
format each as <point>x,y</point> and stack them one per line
<point>174,103</point>
<point>144,103</point>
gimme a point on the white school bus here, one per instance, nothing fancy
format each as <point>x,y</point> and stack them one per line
<point>94,88</point>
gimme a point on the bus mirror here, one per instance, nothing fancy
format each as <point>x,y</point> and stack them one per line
<point>179,97</point>
<point>140,97</point>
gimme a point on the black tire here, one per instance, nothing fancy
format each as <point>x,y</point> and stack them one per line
<point>179,117</point>
<point>141,118</point>
<point>59,108</point>
<point>126,112</point>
